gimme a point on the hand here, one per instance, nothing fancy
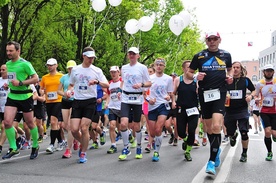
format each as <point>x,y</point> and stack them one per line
<point>69,93</point>
<point>168,98</point>
<point>99,100</point>
<point>137,86</point>
<point>201,76</point>
<point>6,86</point>
<point>119,95</point>
<point>229,79</point>
<point>248,98</point>
<point>15,82</point>
<point>173,105</point>
<point>152,101</point>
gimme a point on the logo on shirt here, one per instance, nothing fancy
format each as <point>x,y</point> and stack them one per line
<point>214,64</point>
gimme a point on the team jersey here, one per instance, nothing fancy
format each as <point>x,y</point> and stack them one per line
<point>49,83</point>
<point>159,89</point>
<point>3,93</point>
<point>268,94</point>
<point>214,64</point>
<point>80,78</point>
<point>19,70</point>
<point>113,90</point>
<point>133,74</point>
<point>64,80</point>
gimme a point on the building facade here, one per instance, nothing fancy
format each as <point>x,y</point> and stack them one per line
<point>252,68</point>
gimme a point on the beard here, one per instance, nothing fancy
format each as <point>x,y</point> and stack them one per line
<point>268,77</point>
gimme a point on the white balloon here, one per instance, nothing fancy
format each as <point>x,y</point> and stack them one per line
<point>145,23</point>
<point>176,24</point>
<point>115,2</point>
<point>186,17</point>
<point>98,5</point>
<point>132,26</point>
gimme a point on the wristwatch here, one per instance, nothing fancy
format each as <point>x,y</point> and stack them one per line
<point>20,83</point>
<point>142,85</point>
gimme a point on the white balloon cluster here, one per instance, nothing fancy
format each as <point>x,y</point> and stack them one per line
<point>100,5</point>
<point>144,24</point>
<point>179,22</point>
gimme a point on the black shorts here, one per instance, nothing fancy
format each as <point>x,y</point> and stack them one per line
<point>18,117</point>
<point>96,116</point>
<point>53,109</point>
<point>126,111</point>
<point>83,108</point>
<point>232,124</point>
<point>38,111</point>
<point>114,115</point>
<point>22,105</point>
<point>1,116</point>
<point>256,112</point>
<point>208,108</point>
<point>172,112</point>
<point>66,104</point>
<point>268,120</point>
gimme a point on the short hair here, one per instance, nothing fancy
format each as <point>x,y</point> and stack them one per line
<point>184,63</point>
<point>87,49</point>
<point>151,66</point>
<point>16,45</point>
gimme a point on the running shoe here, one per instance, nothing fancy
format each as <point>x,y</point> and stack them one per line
<point>273,138</point>
<point>175,142</point>
<point>131,139</point>
<point>83,158</point>
<point>187,156</point>
<point>118,137</point>
<point>243,157</point>
<point>112,150</point>
<point>40,139</point>
<point>34,153</point>
<point>147,149</point>
<point>225,140</point>
<point>50,149</point>
<point>260,128</point>
<point>171,139</point>
<point>26,146</point>
<point>196,143</point>
<point>256,132</point>
<point>124,154</point>
<point>45,137</point>
<point>210,168</point>
<point>204,141</point>
<point>146,138</point>
<point>11,153</point>
<point>269,156</point>
<point>75,145</point>
<point>139,154</point>
<point>217,160</point>
<point>20,141</point>
<point>67,154</point>
<point>95,145</point>
<point>155,156</point>
<point>233,139</point>
<point>60,146</point>
<point>103,138</point>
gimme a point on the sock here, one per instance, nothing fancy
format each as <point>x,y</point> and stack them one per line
<point>189,148</point>
<point>244,150</point>
<point>204,135</point>
<point>53,135</point>
<point>44,128</point>
<point>59,136</point>
<point>125,138</point>
<point>158,142</point>
<point>196,137</point>
<point>34,133</point>
<point>113,144</point>
<point>268,143</point>
<point>10,133</point>
<point>215,141</point>
<point>139,138</point>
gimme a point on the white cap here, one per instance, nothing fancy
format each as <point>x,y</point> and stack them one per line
<point>89,54</point>
<point>134,50</point>
<point>268,66</point>
<point>213,33</point>
<point>51,61</point>
<point>114,68</point>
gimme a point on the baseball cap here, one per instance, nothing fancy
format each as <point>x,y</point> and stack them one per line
<point>114,68</point>
<point>174,74</point>
<point>268,66</point>
<point>51,61</point>
<point>134,50</point>
<point>213,33</point>
<point>71,63</point>
<point>89,54</point>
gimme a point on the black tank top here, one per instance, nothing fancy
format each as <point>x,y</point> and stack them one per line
<point>187,96</point>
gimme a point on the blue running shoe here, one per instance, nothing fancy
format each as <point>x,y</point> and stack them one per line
<point>139,154</point>
<point>124,154</point>
<point>83,158</point>
<point>118,137</point>
<point>155,156</point>
<point>217,160</point>
<point>210,169</point>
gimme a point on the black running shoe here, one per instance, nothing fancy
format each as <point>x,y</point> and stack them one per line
<point>34,153</point>
<point>11,153</point>
<point>233,139</point>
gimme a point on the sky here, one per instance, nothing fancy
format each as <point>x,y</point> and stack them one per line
<point>238,22</point>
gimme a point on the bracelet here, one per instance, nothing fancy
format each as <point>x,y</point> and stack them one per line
<point>98,82</point>
<point>142,85</point>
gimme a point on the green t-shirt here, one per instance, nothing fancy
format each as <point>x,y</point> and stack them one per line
<point>19,70</point>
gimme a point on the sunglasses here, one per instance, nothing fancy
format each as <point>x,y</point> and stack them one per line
<point>209,39</point>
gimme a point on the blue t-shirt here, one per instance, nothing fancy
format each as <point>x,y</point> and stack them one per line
<point>64,80</point>
<point>99,95</point>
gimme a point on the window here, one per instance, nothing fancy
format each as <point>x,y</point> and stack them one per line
<point>254,78</point>
<point>255,68</point>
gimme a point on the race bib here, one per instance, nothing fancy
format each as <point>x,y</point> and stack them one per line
<point>236,94</point>
<point>3,95</point>
<point>211,95</point>
<point>268,102</point>
<point>192,111</point>
<point>134,98</point>
<point>52,95</point>
<point>11,76</point>
<point>167,106</point>
<point>35,102</point>
<point>114,97</point>
<point>83,88</point>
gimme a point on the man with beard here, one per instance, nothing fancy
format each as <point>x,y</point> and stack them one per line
<point>267,88</point>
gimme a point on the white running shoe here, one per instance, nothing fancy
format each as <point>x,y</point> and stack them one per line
<point>50,149</point>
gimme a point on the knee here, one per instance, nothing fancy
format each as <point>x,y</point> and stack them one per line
<point>244,136</point>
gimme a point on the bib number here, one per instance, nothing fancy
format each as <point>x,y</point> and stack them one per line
<point>236,94</point>
<point>3,95</point>
<point>167,106</point>
<point>11,76</point>
<point>211,95</point>
<point>268,102</point>
<point>133,98</point>
<point>114,97</point>
<point>192,111</point>
<point>52,95</point>
<point>83,88</point>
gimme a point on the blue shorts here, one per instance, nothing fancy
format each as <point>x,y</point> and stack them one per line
<point>160,110</point>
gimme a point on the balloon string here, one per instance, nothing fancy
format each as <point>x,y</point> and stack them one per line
<point>169,55</point>
<point>140,37</point>
<point>96,31</point>
<point>176,57</point>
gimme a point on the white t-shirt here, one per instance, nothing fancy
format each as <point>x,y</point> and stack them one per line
<point>80,78</point>
<point>3,94</point>
<point>254,106</point>
<point>159,89</point>
<point>114,88</point>
<point>133,74</point>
